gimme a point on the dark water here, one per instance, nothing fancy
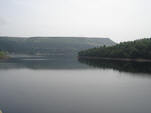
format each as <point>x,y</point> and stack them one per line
<point>66,85</point>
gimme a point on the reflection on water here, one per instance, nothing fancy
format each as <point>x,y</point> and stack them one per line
<point>122,66</point>
<point>64,85</point>
<point>53,62</point>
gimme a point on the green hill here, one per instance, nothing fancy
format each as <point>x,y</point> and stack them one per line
<point>51,45</point>
<point>138,49</point>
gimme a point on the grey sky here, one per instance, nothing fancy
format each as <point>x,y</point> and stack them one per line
<point>120,20</point>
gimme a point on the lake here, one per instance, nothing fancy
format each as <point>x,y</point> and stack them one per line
<point>68,85</point>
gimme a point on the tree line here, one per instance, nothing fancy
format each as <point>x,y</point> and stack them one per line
<point>131,49</point>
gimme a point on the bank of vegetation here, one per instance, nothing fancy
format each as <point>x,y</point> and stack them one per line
<point>138,49</point>
<point>2,55</point>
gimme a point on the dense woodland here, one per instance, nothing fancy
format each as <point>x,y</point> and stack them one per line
<point>131,49</point>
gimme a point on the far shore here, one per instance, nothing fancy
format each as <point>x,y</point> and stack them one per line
<point>115,59</point>
<point>4,57</point>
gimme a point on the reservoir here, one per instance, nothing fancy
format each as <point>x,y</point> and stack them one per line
<point>68,85</point>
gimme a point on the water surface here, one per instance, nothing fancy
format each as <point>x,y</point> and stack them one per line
<point>66,85</point>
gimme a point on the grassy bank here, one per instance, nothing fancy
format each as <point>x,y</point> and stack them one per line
<point>3,55</point>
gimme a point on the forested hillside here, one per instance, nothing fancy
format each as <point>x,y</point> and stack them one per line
<point>132,49</point>
<point>50,45</point>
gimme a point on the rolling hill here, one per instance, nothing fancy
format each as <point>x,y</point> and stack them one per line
<point>51,45</point>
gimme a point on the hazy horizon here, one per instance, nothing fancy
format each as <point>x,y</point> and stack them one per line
<point>119,20</point>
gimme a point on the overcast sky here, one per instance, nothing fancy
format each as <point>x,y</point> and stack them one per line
<point>120,20</point>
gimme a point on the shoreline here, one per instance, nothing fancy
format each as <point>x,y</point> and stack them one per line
<point>4,57</point>
<point>115,59</point>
